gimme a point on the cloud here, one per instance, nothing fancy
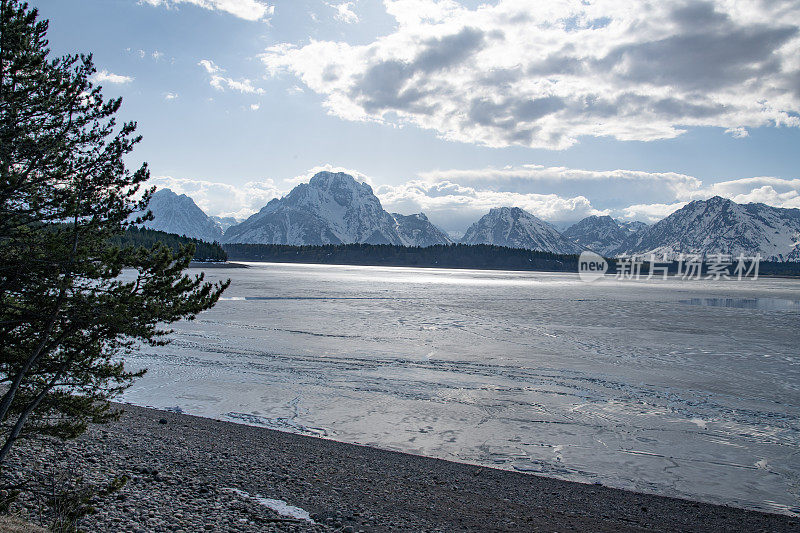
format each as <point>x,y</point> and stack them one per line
<point>209,66</point>
<point>453,206</point>
<point>105,76</point>
<point>306,176</point>
<point>738,132</point>
<point>612,189</point>
<point>344,12</point>
<point>777,192</point>
<point>222,83</point>
<point>650,213</point>
<point>505,74</point>
<point>222,199</point>
<point>170,96</point>
<point>253,10</point>
<point>768,195</point>
<point>455,199</point>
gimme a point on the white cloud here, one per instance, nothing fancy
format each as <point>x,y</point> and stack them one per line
<point>509,73</point>
<point>170,96</point>
<point>254,10</point>
<point>453,206</point>
<point>210,66</point>
<point>610,190</point>
<point>455,199</point>
<point>222,199</point>
<point>345,13</point>
<point>255,107</point>
<point>222,83</point>
<point>105,76</point>
<point>650,212</point>
<point>768,195</point>
<point>306,176</point>
<point>739,132</point>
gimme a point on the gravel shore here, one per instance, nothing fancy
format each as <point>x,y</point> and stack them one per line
<point>194,474</point>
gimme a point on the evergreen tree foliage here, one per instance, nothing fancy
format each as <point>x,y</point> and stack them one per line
<point>72,302</point>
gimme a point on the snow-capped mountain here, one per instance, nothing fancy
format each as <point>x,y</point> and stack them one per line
<point>631,226</point>
<point>224,222</point>
<point>416,230</point>
<point>719,225</point>
<point>516,228</point>
<point>333,208</point>
<point>600,234</point>
<point>180,215</point>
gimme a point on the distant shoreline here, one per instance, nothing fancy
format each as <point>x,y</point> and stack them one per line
<point>240,264</point>
<point>217,264</point>
<point>454,256</point>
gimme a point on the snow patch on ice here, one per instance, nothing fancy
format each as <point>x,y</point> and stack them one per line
<point>699,422</point>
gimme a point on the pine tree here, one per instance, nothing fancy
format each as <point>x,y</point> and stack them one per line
<point>72,303</point>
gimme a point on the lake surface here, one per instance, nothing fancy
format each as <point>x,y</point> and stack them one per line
<point>682,388</point>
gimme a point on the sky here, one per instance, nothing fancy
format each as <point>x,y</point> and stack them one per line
<point>564,108</point>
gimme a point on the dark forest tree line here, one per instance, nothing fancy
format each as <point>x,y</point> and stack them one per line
<point>477,256</point>
<point>147,238</point>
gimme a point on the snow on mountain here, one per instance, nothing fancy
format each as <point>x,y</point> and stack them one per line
<point>225,222</point>
<point>719,225</point>
<point>600,234</point>
<point>631,226</point>
<point>516,228</point>
<point>180,215</point>
<point>332,208</point>
<point>416,230</point>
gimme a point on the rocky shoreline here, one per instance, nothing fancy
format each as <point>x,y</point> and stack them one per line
<point>194,474</point>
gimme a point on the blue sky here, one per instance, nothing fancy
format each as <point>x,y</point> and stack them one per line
<point>455,107</point>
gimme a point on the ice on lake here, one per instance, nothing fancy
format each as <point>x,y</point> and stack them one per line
<point>683,388</point>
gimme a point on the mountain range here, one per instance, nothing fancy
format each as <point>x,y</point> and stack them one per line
<point>334,208</point>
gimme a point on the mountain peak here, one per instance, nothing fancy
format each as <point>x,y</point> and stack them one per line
<point>600,234</point>
<point>720,225</point>
<point>333,208</point>
<point>174,213</point>
<point>516,228</point>
<point>166,193</point>
<point>513,211</point>
<point>327,180</point>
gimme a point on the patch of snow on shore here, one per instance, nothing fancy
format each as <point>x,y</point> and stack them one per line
<point>279,506</point>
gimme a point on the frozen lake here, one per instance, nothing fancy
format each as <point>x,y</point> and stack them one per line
<point>682,388</point>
